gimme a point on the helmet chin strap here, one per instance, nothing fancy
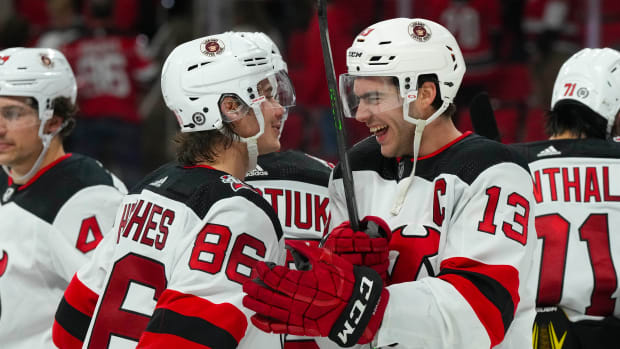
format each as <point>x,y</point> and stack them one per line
<point>46,140</point>
<point>420,124</point>
<point>251,143</point>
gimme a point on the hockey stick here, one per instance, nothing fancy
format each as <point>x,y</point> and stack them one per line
<point>483,118</point>
<point>336,108</point>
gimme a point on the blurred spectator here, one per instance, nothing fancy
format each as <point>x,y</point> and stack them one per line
<point>110,68</point>
<point>14,29</point>
<point>308,70</point>
<point>65,24</point>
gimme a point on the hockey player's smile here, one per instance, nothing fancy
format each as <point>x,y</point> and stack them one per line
<point>379,132</point>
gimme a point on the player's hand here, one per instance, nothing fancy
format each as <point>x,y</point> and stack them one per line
<point>368,247</point>
<point>327,296</point>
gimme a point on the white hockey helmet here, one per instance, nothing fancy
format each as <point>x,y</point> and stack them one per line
<point>43,74</point>
<point>591,77</point>
<point>404,49</point>
<point>199,73</point>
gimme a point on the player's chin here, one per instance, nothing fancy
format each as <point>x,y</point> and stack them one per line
<point>270,146</point>
<point>388,151</point>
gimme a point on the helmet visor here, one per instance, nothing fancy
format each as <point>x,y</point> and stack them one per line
<point>369,94</point>
<point>15,114</point>
<point>275,89</point>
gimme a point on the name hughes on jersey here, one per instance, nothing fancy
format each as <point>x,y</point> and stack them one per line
<point>151,223</point>
<point>573,184</point>
<point>305,210</point>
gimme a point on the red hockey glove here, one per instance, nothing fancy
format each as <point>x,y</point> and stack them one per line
<point>327,296</point>
<point>367,248</point>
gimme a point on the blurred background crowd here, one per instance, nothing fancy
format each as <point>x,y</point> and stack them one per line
<point>513,50</point>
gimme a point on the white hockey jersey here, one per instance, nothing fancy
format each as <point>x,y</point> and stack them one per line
<point>463,244</point>
<point>171,274</point>
<point>50,226</point>
<point>577,193</point>
<point>295,184</point>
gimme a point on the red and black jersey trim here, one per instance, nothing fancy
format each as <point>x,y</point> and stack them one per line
<point>194,329</point>
<point>491,290</point>
<point>188,321</point>
<point>73,315</point>
<point>72,320</point>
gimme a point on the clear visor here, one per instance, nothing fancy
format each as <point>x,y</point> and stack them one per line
<point>369,94</point>
<point>16,115</point>
<point>275,91</point>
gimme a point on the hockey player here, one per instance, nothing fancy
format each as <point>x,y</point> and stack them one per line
<point>189,235</point>
<point>459,207</point>
<point>55,206</point>
<point>577,201</point>
<point>295,184</point>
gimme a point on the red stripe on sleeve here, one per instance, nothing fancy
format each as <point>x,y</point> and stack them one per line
<point>63,340</point>
<point>487,312</point>
<point>81,297</point>
<point>224,315</point>
<point>506,275</point>
<point>150,340</point>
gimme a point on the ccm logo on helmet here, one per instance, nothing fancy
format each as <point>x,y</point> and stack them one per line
<point>355,54</point>
<point>359,307</point>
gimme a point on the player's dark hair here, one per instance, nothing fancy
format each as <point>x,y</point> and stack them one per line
<point>451,110</point>
<point>195,147</point>
<point>576,118</point>
<point>63,108</point>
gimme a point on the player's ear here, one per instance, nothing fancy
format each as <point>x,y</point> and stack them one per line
<point>53,124</point>
<point>427,93</point>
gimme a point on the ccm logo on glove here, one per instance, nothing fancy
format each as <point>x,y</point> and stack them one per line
<point>358,309</point>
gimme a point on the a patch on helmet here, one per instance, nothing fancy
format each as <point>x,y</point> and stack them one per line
<point>419,31</point>
<point>47,61</point>
<point>212,47</point>
<point>3,59</point>
<point>198,118</point>
<point>583,92</point>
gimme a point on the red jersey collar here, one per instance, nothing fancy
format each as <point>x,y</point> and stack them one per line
<point>459,138</point>
<point>203,166</point>
<point>40,172</point>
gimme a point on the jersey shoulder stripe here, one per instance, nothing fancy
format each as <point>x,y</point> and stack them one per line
<point>564,148</point>
<point>467,159</point>
<point>291,165</point>
<point>199,188</point>
<point>48,193</point>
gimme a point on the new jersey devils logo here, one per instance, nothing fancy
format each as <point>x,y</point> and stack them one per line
<point>235,183</point>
